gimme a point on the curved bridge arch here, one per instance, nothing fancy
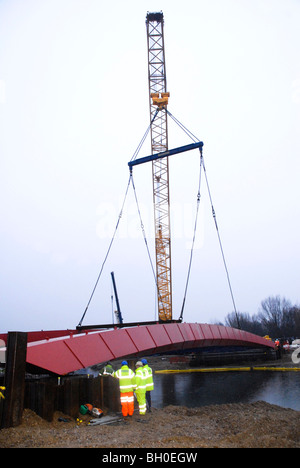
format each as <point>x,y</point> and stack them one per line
<point>70,353</point>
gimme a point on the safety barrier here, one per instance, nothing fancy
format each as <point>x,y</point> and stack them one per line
<point>67,394</point>
<point>229,369</point>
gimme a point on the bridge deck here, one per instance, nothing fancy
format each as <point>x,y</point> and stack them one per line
<point>64,354</point>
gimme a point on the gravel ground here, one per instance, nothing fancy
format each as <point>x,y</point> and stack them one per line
<point>251,425</point>
<point>236,425</point>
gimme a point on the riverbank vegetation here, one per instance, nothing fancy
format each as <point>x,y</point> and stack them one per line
<point>277,317</point>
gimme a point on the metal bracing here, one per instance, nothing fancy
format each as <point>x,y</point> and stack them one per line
<point>160,168</point>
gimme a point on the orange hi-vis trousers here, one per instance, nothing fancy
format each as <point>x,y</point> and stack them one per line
<point>127,402</point>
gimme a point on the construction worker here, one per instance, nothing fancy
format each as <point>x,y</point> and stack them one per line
<point>149,383</point>
<point>107,369</point>
<point>127,385</point>
<point>140,390</point>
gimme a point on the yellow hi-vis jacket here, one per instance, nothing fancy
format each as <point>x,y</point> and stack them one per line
<point>126,379</point>
<point>141,380</point>
<point>149,382</point>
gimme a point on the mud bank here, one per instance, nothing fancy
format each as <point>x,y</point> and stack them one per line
<point>236,425</point>
<point>240,425</point>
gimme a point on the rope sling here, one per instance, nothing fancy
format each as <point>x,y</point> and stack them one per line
<point>131,182</point>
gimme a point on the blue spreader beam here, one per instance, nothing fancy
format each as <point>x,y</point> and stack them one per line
<point>164,154</point>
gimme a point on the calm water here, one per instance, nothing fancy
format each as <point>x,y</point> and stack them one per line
<point>200,389</point>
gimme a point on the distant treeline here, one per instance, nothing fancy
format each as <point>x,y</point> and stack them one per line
<point>277,318</point>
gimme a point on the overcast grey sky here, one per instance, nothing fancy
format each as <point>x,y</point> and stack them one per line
<point>73,108</point>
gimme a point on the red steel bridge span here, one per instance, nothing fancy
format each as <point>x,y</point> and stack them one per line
<point>64,351</point>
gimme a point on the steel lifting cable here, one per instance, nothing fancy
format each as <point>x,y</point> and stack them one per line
<point>118,222</point>
<point>107,253</point>
<point>137,203</point>
<point>194,236</point>
<point>144,137</point>
<point>194,138</point>
<point>188,132</point>
<point>221,246</point>
<point>146,242</point>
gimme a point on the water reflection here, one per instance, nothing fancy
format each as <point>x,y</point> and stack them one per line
<point>201,389</point>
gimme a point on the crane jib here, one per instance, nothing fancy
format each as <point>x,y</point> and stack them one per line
<point>164,154</point>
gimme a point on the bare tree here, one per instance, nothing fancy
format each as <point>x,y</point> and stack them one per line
<point>296,321</point>
<point>276,317</point>
<point>272,314</point>
<point>247,323</point>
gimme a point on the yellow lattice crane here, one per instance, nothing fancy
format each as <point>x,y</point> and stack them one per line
<point>158,99</point>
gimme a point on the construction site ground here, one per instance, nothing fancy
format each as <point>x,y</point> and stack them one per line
<point>250,425</point>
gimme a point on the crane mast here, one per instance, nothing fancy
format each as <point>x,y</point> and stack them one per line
<point>158,100</point>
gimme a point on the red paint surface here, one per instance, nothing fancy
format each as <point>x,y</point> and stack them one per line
<point>65,351</point>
